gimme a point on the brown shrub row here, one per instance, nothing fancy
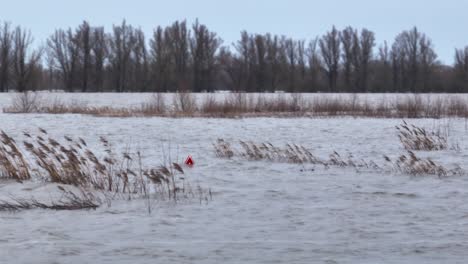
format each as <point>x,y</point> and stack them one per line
<point>184,104</point>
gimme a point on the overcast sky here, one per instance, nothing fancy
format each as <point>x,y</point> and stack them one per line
<point>446,22</point>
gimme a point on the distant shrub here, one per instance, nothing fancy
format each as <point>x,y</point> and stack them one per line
<point>27,102</point>
<point>184,102</point>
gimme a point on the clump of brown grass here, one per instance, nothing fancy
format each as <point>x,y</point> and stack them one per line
<point>241,104</point>
<point>329,106</point>
<point>238,101</point>
<point>407,164</point>
<point>71,162</point>
<point>211,106</point>
<point>223,149</point>
<point>417,138</point>
<point>456,107</point>
<point>166,178</point>
<point>410,106</point>
<point>26,102</point>
<point>413,165</point>
<point>104,111</point>
<point>291,153</point>
<point>267,151</point>
<point>280,104</point>
<point>337,160</point>
<point>156,105</point>
<point>184,103</point>
<point>69,201</point>
<point>13,164</point>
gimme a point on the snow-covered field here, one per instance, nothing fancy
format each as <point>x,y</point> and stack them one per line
<point>261,212</point>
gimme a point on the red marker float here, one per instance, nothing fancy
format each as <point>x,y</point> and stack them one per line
<point>189,161</point>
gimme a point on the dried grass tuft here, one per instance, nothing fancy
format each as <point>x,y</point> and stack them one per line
<point>71,162</point>
<point>416,138</point>
<point>292,153</point>
<point>69,201</point>
<point>411,164</point>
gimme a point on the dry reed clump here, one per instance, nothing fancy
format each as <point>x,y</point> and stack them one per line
<point>238,101</point>
<point>281,104</point>
<point>72,162</point>
<point>413,165</point>
<point>267,151</point>
<point>68,201</point>
<point>223,149</point>
<point>346,106</point>
<point>417,138</point>
<point>211,106</point>
<point>410,107</point>
<point>242,104</point>
<point>104,111</point>
<point>184,103</point>
<point>26,102</point>
<point>457,107</point>
<point>335,159</point>
<point>407,164</point>
<point>13,164</point>
<point>291,153</point>
<point>156,105</point>
<point>329,106</point>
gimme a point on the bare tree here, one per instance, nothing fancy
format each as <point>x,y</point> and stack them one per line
<point>461,69</point>
<point>383,70</point>
<point>121,45</point>
<point>160,59</point>
<point>357,54</point>
<point>63,54</point>
<point>413,59</point>
<point>244,60</point>
<point>261,69</point>
<point>366,45</point>
<point>314,64</point>
<point>6,45</point>
<point>229,69</point>
<point>83,37</point>
<point>203,48</point>
<point>330,51</point>
<point>301,64</point>
<point>140,62</point>
<point>179,35</point>
<point>348,56</point>
<point>290,47</point>
<point>274,61</point>
<point>99,51</point>
<point>24,60</point>
<point>428,61</point>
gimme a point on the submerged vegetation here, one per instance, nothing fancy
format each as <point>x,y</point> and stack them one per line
<point>88,177</point>
<point>413,138</point>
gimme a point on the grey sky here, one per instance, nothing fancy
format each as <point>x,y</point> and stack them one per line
<point>444,21</point>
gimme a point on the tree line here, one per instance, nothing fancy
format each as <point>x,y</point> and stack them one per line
<point>194,58</point>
